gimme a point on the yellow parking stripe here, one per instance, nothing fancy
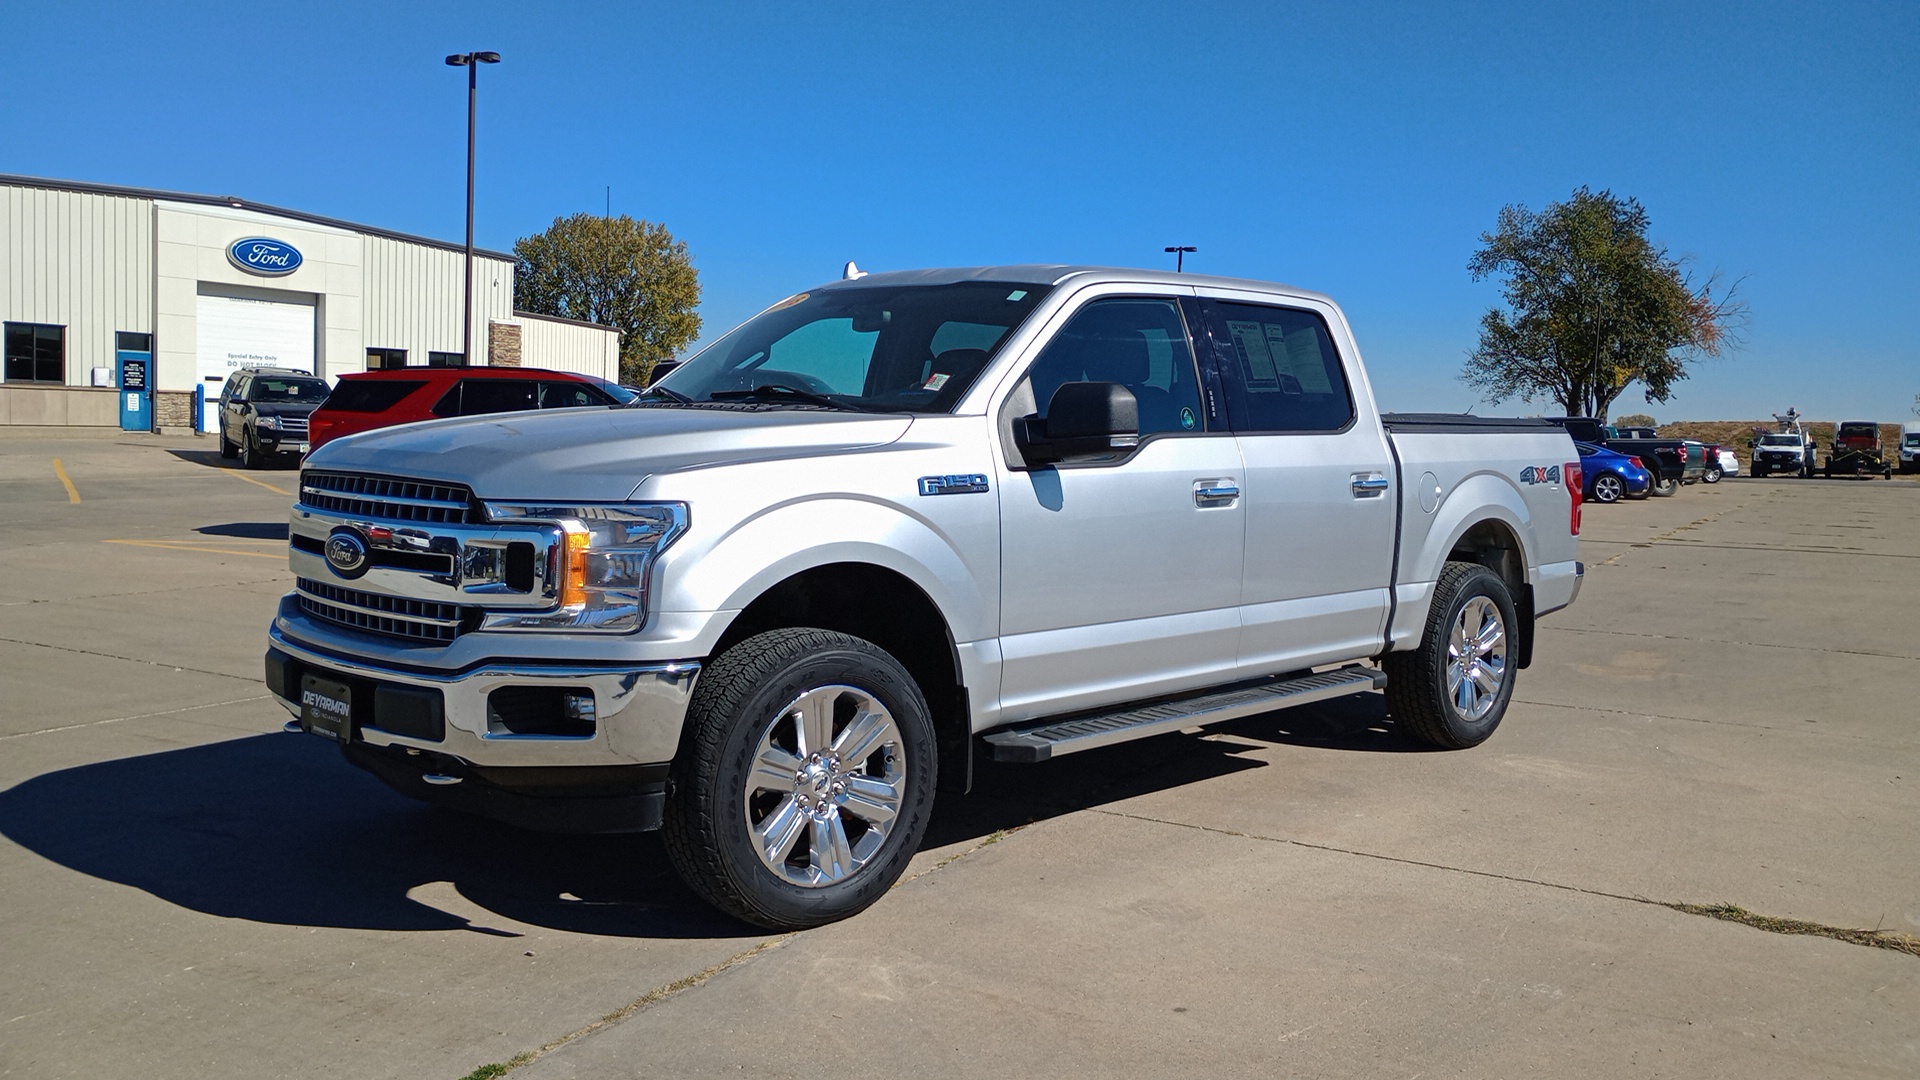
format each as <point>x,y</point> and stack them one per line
<point>248,479</point>
<point>73,493</point>
<point>180,545</point>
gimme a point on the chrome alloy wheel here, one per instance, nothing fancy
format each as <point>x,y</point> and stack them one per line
<point>1476,658</point>
<point>827,783</point>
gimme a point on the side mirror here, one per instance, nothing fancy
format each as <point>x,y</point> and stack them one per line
<point>1084,420</point>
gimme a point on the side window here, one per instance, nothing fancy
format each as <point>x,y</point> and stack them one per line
<point>1140,344</point>
<point>481,396</point>
<point>237,388</point>
<point>567,395</point>
<point>1281,370</point>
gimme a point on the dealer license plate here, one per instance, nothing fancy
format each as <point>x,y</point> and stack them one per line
<point>326,707</point>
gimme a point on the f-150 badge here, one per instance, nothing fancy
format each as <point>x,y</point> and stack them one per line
<point>971,484</point>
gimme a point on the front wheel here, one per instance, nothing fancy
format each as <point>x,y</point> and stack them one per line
<point>1452,691</point>
<point>250,455</point>
<point>805,780</point>
<point>1665,486</point>
<point>1608,488</point>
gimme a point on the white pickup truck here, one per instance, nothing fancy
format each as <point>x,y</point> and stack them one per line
<point>894,523</point>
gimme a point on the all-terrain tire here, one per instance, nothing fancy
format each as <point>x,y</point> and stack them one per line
<point>742,704</point>
<point>1422,685</point>
<point>1663,487</point>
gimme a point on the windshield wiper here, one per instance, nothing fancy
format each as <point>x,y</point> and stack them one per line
<point>674,396</point>
<point>783,392</point>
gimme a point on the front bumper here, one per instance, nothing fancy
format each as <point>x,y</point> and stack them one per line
<point>638,709</point>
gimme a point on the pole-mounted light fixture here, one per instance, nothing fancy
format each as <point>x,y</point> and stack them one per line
<point>1179,253</point>
<point>471,61</point>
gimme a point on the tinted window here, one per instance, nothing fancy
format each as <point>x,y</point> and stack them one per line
<point>1281,370</point>
<point>912,348</point>
<point>369,395</point>
<point>1140,344</point>
<point>478,396</point>
<point>35,353</point>
<point>568,395</point>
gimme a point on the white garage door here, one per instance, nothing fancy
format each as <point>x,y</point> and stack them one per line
<point>247,331</point>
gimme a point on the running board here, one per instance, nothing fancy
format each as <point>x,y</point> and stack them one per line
<point>1050,739</point>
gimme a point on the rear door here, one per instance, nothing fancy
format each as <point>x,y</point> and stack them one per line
<point>478,397</point>
<point>1319,485</point>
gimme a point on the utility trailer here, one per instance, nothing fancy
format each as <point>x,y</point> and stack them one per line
<point>1856,451</point>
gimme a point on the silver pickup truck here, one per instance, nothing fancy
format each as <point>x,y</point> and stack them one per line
<point>894,523</point>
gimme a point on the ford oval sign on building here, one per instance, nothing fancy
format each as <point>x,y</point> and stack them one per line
<point>269,258</point>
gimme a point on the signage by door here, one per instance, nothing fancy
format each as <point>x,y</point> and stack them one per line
<point>268,258</point>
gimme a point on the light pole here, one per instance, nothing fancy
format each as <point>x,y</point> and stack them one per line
<point>1179,253</point>
<point>471,61</point>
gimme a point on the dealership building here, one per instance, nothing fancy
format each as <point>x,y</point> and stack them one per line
<point>126,307</point>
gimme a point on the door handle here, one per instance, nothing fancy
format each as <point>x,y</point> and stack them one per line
<point>1215,492</point>
<point>1368,485</point>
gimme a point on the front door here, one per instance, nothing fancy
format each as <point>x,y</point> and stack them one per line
<point>1121,579</point>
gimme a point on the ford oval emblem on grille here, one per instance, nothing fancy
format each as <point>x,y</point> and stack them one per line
<point>346,552</point>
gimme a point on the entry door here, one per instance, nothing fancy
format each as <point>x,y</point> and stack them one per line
<point>1121,580</point>
<point>136,394</point>
<point>1319,489</point>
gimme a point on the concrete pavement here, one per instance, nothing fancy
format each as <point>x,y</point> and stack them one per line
<point>1728,715</point>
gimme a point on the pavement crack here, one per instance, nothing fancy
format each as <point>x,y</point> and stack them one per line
<point>136,716</point>
<point>1695,639</point>
<point>1878,939</point>
<point>651,997</point>
<point>129,659</point>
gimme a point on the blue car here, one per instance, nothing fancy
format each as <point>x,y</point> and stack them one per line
<point>1610,475</point>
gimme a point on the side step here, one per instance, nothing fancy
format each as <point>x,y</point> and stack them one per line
<point>1052,738</point>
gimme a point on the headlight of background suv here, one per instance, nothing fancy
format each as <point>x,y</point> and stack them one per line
<point>268,420</point>
<point>601,569</point>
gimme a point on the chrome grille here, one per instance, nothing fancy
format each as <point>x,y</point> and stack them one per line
<point>416,620</point>
<point>293,423</point>
<point>385,497</point>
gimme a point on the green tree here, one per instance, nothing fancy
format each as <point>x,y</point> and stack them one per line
<point>1592,307</point>
<point>1638,419</point>
<point>618,272</point>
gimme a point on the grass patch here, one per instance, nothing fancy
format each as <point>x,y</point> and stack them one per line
<point>1875,939</point>
<point>499,1068</point>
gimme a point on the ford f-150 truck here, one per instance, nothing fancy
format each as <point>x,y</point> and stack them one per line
<point>894,523</point>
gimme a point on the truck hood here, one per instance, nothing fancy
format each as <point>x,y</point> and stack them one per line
<point>596,455</point>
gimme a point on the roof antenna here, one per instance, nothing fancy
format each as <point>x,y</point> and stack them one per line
<point>852,272</point>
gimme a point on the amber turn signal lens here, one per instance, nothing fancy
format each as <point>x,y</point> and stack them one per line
<point>573,588</point>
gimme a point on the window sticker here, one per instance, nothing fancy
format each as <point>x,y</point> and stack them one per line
<point>1256,360</point>
<point>1187,420</point>
<point>939,380</point>
<point>1017,294</point>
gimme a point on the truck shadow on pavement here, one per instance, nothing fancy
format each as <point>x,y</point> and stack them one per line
<point>247,530</point>
<point>211,459</point>
<point>1009,796</point>
<point>276,829</point>
<point>280,829</point>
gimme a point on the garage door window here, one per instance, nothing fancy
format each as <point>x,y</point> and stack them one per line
<point>36,353</point>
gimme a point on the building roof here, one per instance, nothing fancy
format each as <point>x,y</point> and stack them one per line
<point>236,202</point>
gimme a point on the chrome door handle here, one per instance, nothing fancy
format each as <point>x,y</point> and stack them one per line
<point>1214,492</point>
<point>1367,485</point>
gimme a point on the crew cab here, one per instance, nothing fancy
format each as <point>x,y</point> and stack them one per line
<point>1789,452</point>
<point>895,523</point>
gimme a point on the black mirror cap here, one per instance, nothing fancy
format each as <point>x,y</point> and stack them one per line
<point>1084,420</point>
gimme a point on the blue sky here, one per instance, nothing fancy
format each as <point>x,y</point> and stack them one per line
<point>1355,149</point>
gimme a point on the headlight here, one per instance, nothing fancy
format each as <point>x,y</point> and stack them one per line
<point>601,567</point>
<point>268,421</point>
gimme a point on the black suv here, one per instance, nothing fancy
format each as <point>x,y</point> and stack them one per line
<point>263,411</point>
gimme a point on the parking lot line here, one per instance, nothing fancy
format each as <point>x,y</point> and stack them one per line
<point>189,545</point>
<point>60,470</point>
<point>243,476</point>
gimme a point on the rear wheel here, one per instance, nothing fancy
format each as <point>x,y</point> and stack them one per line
<point>227,449</point>
<point>1608,488</point>
<point>805,781</point>
<point>1452,691</point>
<point>1665,486</point>
<point>1712,475</point>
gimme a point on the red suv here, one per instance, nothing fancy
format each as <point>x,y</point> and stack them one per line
<point>376,399</point>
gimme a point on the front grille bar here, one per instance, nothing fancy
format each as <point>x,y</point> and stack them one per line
<point>386,497</point>
<point>420,620</point>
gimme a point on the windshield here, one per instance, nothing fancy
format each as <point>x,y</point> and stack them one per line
<point>901,348</point>
<point>620,394</point>
<point>1912,438</point>
<point>1779,440</point>
<point>311,391</point>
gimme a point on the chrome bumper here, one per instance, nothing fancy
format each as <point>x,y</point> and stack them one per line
<point>639,710</point>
